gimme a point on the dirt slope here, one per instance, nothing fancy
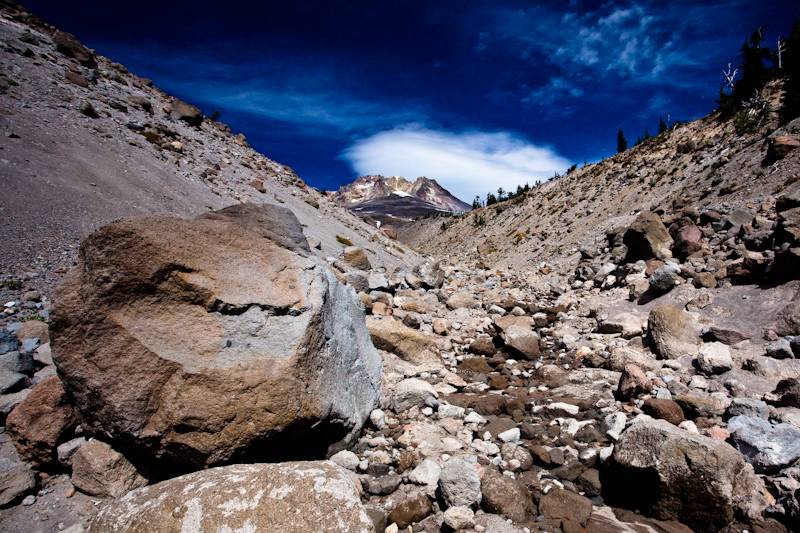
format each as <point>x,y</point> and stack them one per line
<point>64,171</point>
<point>705,163</point>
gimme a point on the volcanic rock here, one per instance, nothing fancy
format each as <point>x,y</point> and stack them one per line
<point>293,497</point>
<point>201,341</point>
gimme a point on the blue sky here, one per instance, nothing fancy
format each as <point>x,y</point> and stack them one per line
<point>475,94</point>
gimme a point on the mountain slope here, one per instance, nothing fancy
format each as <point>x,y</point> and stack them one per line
<point>705,164</point>
<point>85,142</point>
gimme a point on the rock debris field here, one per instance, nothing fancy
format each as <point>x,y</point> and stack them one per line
<point>237,368</point>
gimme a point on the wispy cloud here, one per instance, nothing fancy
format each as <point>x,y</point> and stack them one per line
<point>467,164</point>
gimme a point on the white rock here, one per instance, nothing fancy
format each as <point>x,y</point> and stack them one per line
<point>509,435</point>
<point>689,426</point>
<point>566,407</point>
<point>378,418</point>
<point>346,459</point>
<point>425,473</point>
<point>614,424</point>
<point>715,358</point>
<point>453,411</point>
<point>474,418</point>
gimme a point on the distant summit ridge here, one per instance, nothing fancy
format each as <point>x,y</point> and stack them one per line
<point>430,195</point>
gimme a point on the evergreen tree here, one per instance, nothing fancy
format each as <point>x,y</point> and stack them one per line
<point>753,74</point>
<point>476,203</point>
<point>662,126</point>
<point>500,194</point>
<point>790,108</point>
<point>491,199</point>
<point>622,142</point>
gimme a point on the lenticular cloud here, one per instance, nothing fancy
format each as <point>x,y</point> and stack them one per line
<point>467,164</point>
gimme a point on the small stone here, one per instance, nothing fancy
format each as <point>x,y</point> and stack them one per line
<point>459,517</point>
<point>459,484</point>
<point>30,499</point>
<point>510,435</point>
<point>345,459</point>
<point>378,418</point>
<point>715,358</point>
<point>425,473</point>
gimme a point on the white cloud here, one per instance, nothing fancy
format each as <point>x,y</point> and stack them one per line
<point>467,164</point>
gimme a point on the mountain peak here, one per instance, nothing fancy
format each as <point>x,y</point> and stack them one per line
<point>374,187</point>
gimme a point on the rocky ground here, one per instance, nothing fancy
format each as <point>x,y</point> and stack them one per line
<point>248,370</point>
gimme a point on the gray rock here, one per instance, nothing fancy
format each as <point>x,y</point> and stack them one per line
<point>16,477</point>
<point>459,484</point>
<point>30,344</point>
<point>769,447</point>
<point>703,482</point>
<point>346,459</point>
<point>410,393</point>
<point>381,486</point>
<point>16,361</point>
<point>9,401</point>
<point>8,341</point>
<point>430,274</point>
<point>425,473</point>
<point>747,407</point>
<point>780,349</point>
<point>357,280</point>
<point>10,380</point>
<point>665,278</point>
<point>377,282</point>
<point>67,449</point>
<point>715,358</point>
<point>293,497</point>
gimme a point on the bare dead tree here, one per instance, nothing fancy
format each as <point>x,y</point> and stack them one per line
<point>730,76</point>
<point>780,50</point>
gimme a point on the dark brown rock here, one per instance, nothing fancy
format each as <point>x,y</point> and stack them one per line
<point>647,237</point>
<point>687,241</point>
<point>664,409</point>
<point>70,46</point>
<point>570,509</point>
<point>410,510</point>
<point>483,345</point>
<point>43,419</point>
<point>632,383</point>
<point>186,112</point>
<point>505,496</point>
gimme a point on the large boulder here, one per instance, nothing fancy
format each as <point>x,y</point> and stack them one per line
<point>70,46</point>
<point>186,112</point>
<point>646,238</point>
<point>292,497</point>
<point>703,482</point>
<point>197,342</point>
<point>671,332</point>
